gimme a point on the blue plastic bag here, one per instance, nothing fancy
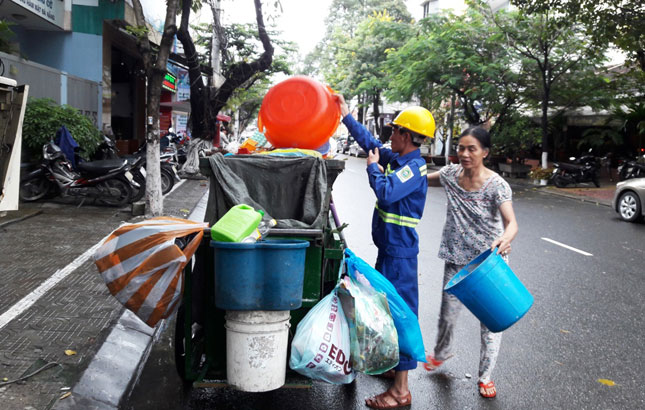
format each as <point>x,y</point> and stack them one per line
<point>321,347</point>
<point>405,321</point>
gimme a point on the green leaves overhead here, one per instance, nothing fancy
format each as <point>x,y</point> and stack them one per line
<point>457,54</point>
<point>501,67</point>
<point>360,35</point>
<point>620,22</point>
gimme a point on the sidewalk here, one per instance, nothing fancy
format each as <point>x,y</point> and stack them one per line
<point>56,313</point>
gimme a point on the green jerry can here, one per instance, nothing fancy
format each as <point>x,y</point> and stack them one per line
<point>238,223</point>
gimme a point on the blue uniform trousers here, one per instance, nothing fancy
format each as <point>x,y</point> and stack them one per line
<point>402,272</point>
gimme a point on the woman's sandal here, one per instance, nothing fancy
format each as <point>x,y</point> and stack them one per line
<point>433,364</point>
<point>487,390</point>
<point>380,401</point>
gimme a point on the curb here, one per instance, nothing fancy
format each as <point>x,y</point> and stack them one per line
<point>115,369</point>
<point>22,218</point>
<point>544,189</point>
<point>578,198</point>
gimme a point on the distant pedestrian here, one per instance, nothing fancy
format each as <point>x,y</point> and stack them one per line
<point>480,216</point>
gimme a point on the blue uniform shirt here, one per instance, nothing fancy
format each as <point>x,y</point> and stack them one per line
<point>400,193</point>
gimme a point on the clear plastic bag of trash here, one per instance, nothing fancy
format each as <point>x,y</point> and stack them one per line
<point>374,340</point>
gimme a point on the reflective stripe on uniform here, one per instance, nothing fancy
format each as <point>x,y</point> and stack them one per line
<point>423,170</point>
<point>397,219</point>
<point>388,170</point>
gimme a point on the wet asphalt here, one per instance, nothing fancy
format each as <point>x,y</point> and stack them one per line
<point>584,331</point>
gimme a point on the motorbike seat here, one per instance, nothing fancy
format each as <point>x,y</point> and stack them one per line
<point>102,166</point>
<point>570,167</point>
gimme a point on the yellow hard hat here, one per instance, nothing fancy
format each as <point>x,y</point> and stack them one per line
<point>416,119</point>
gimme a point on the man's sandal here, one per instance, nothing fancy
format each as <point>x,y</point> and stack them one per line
<point>381,401</point>
<point>390,374</point>
<point>433,364</point>
<point>487,390</point>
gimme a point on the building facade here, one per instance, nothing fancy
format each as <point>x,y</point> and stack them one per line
<point>79,53</point>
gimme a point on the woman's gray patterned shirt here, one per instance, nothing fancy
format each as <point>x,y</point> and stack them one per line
<point>473,219</point>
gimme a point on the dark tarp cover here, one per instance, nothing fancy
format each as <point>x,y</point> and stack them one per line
<point>289,189</point>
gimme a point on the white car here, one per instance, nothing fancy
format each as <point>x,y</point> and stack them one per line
<point>356,150</point>
<point>629,199</point>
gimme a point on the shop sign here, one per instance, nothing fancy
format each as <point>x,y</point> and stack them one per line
<point>49,10</point>
<point>169,83</point>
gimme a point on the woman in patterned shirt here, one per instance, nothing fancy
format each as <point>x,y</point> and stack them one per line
<point>479,217</point>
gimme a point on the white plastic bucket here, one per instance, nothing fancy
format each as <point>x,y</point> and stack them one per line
<point>256,349</point>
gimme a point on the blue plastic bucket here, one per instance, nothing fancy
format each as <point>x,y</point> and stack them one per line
<point>491,291</point>
<point>266,275</point>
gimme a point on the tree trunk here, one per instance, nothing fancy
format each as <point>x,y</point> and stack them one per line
<point>376,113</point>
<point>544,123</point>
<point>197,87</point>
<point>155,72</point>
<point>640,57</point>
<point>451,124</point>
<point>544,120</point>
<point>216,57</point>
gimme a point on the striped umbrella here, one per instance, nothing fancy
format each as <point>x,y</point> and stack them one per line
<point>143,267</point>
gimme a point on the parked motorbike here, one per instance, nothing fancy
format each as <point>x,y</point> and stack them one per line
<point>137,161</point>
<point>106,150</point>
<point>108,181</point>
<point>169,173</point>
<point>582,169</point>
<point>628,169</point>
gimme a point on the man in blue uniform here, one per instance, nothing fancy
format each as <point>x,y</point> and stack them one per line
<point>398,178</point>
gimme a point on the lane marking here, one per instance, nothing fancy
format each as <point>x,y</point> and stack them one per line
<point>26,302</point>
<point>571,248</point>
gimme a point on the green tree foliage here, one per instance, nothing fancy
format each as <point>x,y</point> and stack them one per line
<point>621,22</point>
<point>43,117</point>
<point>461,55</point>
<point>356,31</point>
<point>347,14</point>
<point>361,64</point>
<point>561,64</point>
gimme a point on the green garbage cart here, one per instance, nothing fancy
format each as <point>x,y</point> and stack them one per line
<point>297,192</point>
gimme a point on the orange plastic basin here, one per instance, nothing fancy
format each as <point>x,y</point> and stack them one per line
<point>299,112</point>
